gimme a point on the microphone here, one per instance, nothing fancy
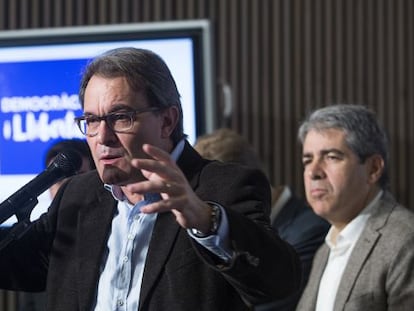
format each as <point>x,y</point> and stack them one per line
<point>65,164</point>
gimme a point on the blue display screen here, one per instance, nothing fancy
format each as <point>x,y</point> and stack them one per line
<point>38,104</point>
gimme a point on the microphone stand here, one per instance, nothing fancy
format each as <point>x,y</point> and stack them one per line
<point>22,226</point>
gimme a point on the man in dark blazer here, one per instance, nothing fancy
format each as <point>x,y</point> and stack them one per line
<point>155,227</point>
<point>367,262</point>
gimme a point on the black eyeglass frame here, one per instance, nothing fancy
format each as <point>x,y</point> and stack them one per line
<point>131,114</point>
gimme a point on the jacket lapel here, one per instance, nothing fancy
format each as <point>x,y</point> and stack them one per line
<point>191,163</point>
<point>166,228</point>
<point>308,300</point>
<point>94,225</point>
<point>363,249</point>
<point>164,234</point>
<point>354,266</point>
<point>287,213</point>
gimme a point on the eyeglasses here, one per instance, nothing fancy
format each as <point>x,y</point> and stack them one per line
<point>119,122</point>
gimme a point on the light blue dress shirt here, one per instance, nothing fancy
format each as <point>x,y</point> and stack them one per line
<point>119,284</point>
<point>126,252</point>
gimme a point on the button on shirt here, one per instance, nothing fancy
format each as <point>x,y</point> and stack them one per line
<point>126,252</point>
<point>122,269</point>
<point>340,251</point>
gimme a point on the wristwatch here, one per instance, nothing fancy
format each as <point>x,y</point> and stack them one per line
<point>215,216</point>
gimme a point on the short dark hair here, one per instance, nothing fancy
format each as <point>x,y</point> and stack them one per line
<point>143,70</point>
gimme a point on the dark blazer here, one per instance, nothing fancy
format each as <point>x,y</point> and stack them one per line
<point>297,224</point>
<point>380,272</point>
<point>64,249</point>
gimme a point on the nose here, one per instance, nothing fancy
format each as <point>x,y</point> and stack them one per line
<point>315,170</point>
<point>105,135</point>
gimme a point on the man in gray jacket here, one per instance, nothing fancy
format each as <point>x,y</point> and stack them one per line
<point>367,261</point>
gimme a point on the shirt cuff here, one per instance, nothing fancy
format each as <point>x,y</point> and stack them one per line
<point>218,244</point>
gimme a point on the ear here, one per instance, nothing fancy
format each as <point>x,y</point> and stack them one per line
<point>169,119</point>
<point>375,168</point>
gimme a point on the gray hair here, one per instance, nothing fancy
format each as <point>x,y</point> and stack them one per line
<point>364,136</point>
<point>143,70</point>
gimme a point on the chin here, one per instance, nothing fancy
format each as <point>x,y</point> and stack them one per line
<point>112,175</point>
<point>115,176</point>
<point>319,208</point>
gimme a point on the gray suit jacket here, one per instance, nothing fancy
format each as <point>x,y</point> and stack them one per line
<point>380,272</point>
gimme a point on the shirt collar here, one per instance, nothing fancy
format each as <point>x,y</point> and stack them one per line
<point>353,230</point>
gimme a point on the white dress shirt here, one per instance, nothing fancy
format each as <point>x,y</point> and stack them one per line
<point>340,251</point>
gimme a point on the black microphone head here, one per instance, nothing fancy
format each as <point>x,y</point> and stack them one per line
<point>68,161</point>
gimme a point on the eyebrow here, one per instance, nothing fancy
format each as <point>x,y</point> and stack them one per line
<point>118,107</point>
<point>115,108</point>
<point>324,152</point>
<point>334,150</point>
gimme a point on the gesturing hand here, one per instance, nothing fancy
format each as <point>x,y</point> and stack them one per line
<point>165,177</point>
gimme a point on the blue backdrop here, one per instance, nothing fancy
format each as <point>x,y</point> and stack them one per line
<point>38,101</point>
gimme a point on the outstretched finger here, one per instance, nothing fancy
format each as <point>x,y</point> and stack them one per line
<point>156,153</point>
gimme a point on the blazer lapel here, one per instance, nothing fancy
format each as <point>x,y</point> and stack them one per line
<point>354,266</point>
<point>164,234</point>
<point>94,226</point>
<point>191,163</point>
<point>286,214</point>
<point>166,228</point>
<point>363,248</point>
<point>308,300</point>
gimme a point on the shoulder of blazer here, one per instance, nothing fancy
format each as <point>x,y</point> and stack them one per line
<point>390,214</point>
<point>190,161</point>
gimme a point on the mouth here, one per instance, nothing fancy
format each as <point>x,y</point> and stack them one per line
<point>108,159</point>
<point>318,192</point>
